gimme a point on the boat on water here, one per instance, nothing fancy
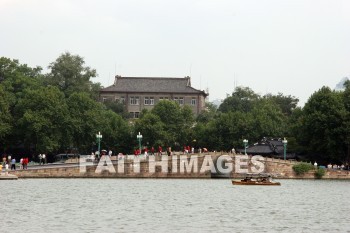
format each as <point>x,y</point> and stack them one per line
<point>256,179</point>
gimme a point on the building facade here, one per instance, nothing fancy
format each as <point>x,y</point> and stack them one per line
<point>138,93</point>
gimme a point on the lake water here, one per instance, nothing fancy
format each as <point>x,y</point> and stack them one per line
<point>173,205</point>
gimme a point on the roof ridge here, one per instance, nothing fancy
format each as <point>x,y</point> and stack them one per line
<point>184,78</point>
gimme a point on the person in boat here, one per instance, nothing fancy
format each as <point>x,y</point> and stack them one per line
<point>247,178</point>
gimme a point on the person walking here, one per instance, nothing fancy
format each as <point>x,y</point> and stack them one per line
<point>25,162</point>
<point>6,169</point>
<point>4,160</point>
<point>40,159</point>
<point>169,151</point>
<point>13,164</point>
<point>160,150</point>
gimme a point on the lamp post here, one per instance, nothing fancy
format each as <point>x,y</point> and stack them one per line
<point>245,142</point>
<point>285,148</point>
<point>99,138</point>
<point>139,138</point>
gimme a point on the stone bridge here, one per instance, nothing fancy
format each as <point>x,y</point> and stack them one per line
<point>204,166</point>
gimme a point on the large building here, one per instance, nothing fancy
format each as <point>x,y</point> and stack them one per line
<point>139,93</point>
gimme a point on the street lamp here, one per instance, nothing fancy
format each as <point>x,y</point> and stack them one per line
<point>285,148</point>
<point>245,142</point>
<point>99,138</point>
<point>139,138</point>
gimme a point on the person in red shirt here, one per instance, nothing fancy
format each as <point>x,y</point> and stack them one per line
<point>160,150</point>
<point>152,150</point>
<point>24,163</point>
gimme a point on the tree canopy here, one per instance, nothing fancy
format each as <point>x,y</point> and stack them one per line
<point>69,74</point>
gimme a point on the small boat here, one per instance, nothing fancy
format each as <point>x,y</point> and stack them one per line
<point>256,179</point>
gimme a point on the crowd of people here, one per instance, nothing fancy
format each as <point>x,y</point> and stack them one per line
<point>159,151</point>
<point>336,167</point>
<point>10,162</point>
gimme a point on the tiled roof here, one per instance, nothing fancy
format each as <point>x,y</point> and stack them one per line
<point>266,146</point>
<point>152,84</point>
<point>260,149</point>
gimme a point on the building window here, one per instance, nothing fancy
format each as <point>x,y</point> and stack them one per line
<point>193,101</point>
<point>134,100</point>
<point>134,114</point>
<point>122,99</point>
<point>149,101</point>
<point>179,100</point>
<point>163,98</point>
<point>104,99</point>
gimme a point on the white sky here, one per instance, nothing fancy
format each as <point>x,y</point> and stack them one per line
<point>289,46</point>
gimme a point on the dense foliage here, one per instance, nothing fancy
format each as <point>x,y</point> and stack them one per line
<point>319,173</point>
<point>302,168</point>
<point>55,112</point>
<point>59,111</point>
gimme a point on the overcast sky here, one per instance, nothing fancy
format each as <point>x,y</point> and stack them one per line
<point>294,47</point>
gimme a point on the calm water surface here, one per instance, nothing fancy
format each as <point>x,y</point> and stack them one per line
<point>168,205</point>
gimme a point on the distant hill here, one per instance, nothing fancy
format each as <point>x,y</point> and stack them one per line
<point>340,85</point>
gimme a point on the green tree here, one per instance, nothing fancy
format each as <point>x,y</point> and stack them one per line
<point>323,128</point>
<point>152,129</point>
<point>117,107</point>
<point>169,113</point>
<point>185,130</point>
<point>86,121</point>
<point>89,117</point>
<point>5,116</point>
<point>269,120</point>
<point>225,131</point>
<point>287,104</point>
<point>346,100</point>
<point>242,99</point>
<point>295,124</point>
<point>177,123</point>
<point>69,74</point>
<point>116,132</point>
<point>208,114</point>
<point>43,115</point>
<point>15,79</point>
